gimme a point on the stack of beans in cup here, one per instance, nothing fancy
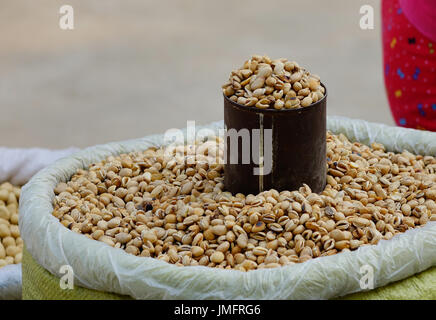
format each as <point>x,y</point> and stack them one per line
<point>273,84</point>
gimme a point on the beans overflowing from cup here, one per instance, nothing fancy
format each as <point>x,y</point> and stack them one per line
<point>273,84</point>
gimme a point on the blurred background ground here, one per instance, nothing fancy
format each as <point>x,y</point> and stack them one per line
<point>136,67</point>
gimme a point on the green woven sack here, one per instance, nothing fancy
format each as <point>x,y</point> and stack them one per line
<point>39,284</point>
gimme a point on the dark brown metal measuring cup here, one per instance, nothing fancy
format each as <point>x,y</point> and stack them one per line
<point>274,149</point>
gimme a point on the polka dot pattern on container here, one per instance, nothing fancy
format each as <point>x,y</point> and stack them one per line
<point>387,69</point>
<point>416,74</point>
<point>409,69</point>
<point>400,73</point>
<point>421,110</point>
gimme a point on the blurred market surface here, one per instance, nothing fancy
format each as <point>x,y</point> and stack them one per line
<point>135,67</point>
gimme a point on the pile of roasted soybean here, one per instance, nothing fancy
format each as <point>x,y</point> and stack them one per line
<point>273,84</point>
<point>154,205</point>
<point>11,244</point>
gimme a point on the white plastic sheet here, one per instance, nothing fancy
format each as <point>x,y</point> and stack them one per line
<point>101,267</point>
<point>17,166</point>
<point>10,282</point>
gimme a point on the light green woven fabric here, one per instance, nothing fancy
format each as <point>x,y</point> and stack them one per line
<point>418,287</point>
<point>39,284</point>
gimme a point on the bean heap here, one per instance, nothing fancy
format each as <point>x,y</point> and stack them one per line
<point>278,84</point>
<point>11,244</point>
<point>154,205</point>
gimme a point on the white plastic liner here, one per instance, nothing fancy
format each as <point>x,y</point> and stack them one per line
<point>10,282</point>
<point>17,166</point>
<point>104,268</point>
